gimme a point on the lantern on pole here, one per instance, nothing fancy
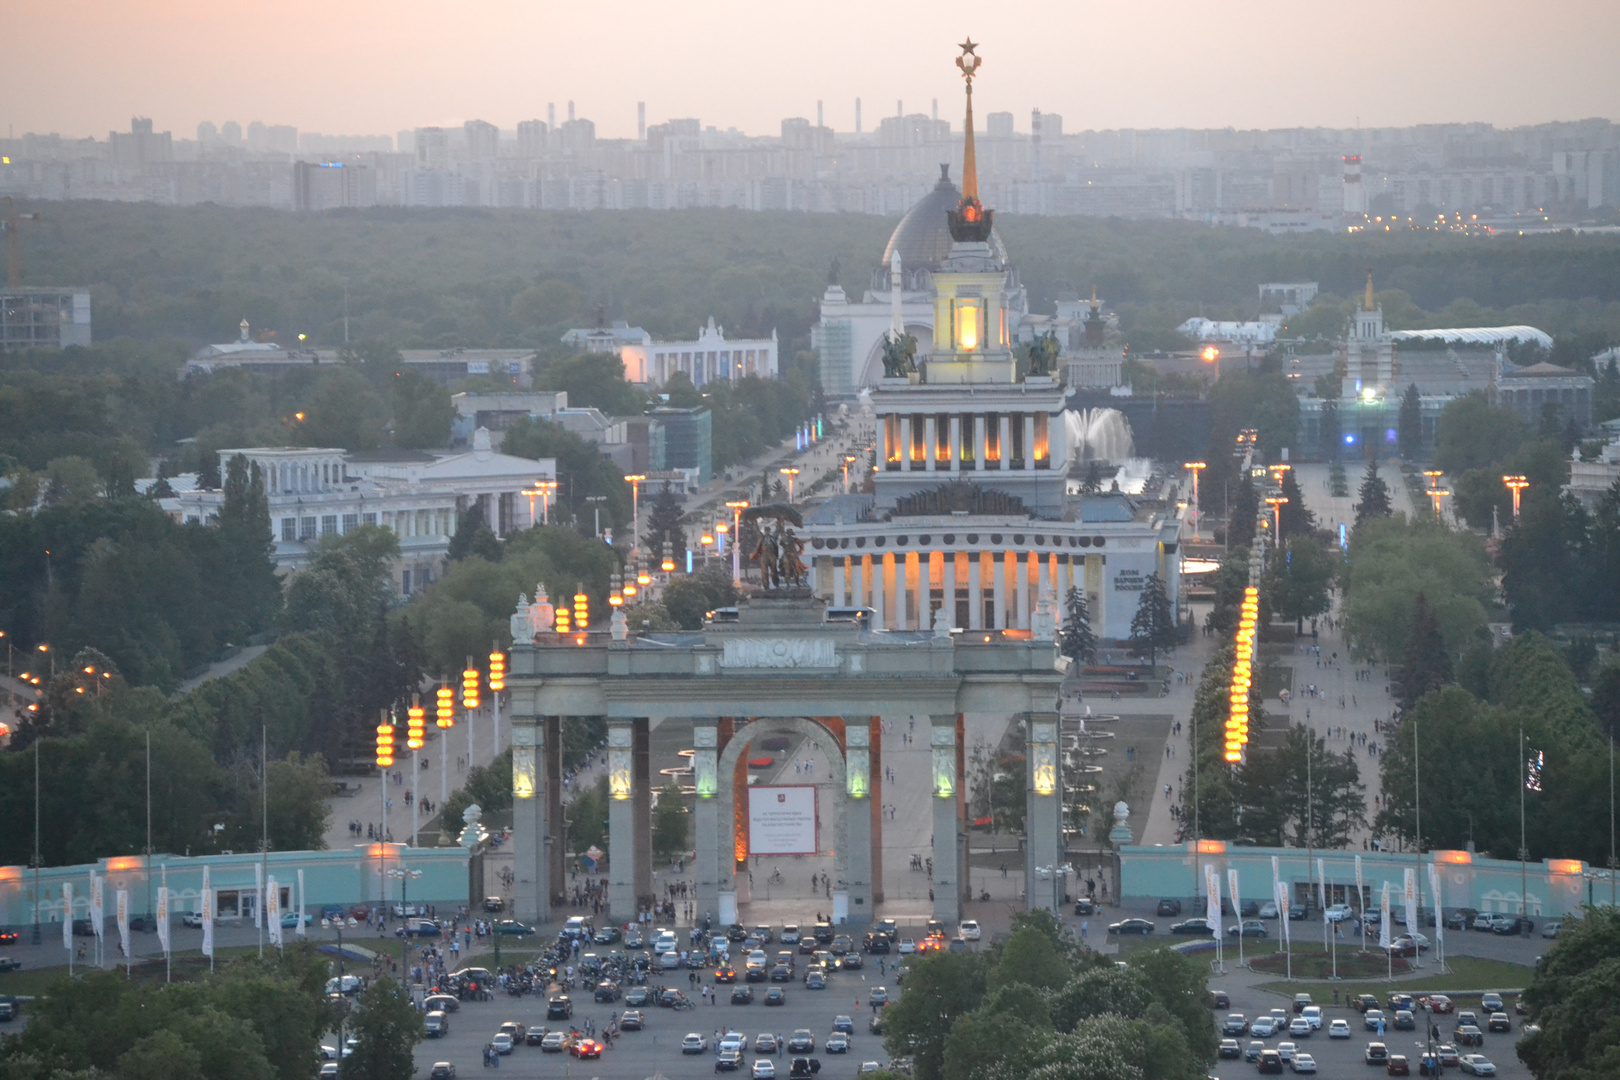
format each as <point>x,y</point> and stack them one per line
<point>469,687</point>
<point>385,745</point>
<point>413,724</point>
<point>616,590</point>
<point>582,611</point>
<point>497,672</point>
<point>446,714</point>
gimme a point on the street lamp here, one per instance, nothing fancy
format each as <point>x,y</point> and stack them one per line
<point>790,472</point>
<point>635,509</point>
<point>1515,483</point>
<point>597,501</point>
<point>404,877</point>
<point>1276,504</point>
<point>1195,467</point>
<point>1437,494</point>
<point>849,459</point>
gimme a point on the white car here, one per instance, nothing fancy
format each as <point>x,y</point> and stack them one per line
<point>968,930</point>
<point>1339,1029</point>
<point>763,1069</point>
<point>1313,1016</point>
<point>1286,1050</point>
<point>192,919</point>
<point>1337,913</point>
<point>502,1042</point>
<point>694,1043</point>
<point>1268,910</point>
<point>664,941</point>
<point>1264,1027</point>
<point>1300,1028</point>
<point>670,960</point>
<point>731,1040</point>
<point>907,946</point>
<point>1477,1065</point>
<point>1304,1063</point>
<point>553,1042</point>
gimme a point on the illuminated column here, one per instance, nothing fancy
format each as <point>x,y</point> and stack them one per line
<point>706,815</point>
<point>905,440</point>
<point>1029,440</point>
<point>975,593</point>
<point>930,441</point>
<point>859,562</point>
<point>925,589</point>
<point>1000,589</point>
<point>1043,846</point>
<point>641,805</point>
<point>902,567</point>
<point>1004,435</point>
<point>947,819</point>
<point>858,819</point>
<point>956,443</point>
<point>531,893</point>
<point>978,442</point>
<point>1020,576</point>
<point>838,581</point>
<point>880,590</point>
<point>621,822</point>
<point>956,571</point>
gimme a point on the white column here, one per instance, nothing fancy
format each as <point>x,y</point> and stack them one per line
<point>880,590</point>
<point>838,598</point>
<point>956,443</point>
<point>1029,440</point>
<point>925,588</point>
<point>1004,426</point>
<point>930,441</point>
<point>905,441</point>
<point>975,593</point>
<point>1021,588</point>
<point>859,599</point>
<point>1043,574</point>
<point>1000,588</point>
<point>900,570</point>
<point>978,442</point>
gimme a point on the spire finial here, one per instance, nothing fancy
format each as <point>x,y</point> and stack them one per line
<point>1368,305</point>
<point>970,221</point>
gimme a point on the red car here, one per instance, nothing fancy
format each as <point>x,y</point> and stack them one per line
<point>1439,1003</point>
<point>585,1048</point>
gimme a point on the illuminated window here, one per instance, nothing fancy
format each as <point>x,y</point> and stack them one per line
<point>942,439</point>
<point>968,325</point>
<point>992,437</point>
<point>1040,441</point>
<point>891,439</point>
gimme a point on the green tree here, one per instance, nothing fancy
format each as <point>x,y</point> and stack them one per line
<point>1297,519</point>
<point>1373,500</point>
<point>244,529</point>
<point>1027,957</point>
<point>941,987</point>
<point>689,597</point>
<point>587,818</point>
<point>1076,640</point>
<point>1390,562</point>
<point>1606,698</point>
<point>595,381</point>
<point>490,786</point>
<point>1574,996</point>
<point>342,410</point>
<point>582,473</point>
<point>1409,425</point>
<point>1301,793</point>
<point>1242,515</point>
<point>387,1027</point>
<point>664,530</point>
<point>71,479</point>
<point>1264,402</point>
<point>671,822</point>
<point>1426,665</point>
<point>1153,627</point>
<point>422,412</point>
<point>1473,434</point>
<point>474,537</point>
<point>549,304</point>
<point>1298,581</point>
<point>349,579</point>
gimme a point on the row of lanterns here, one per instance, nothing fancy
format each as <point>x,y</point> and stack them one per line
<point>445,709</point>
<point>1237,718</point>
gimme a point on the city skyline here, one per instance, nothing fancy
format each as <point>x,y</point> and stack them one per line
<point>364,69</point>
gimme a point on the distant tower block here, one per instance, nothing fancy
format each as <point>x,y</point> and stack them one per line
<point>641,121</point>
<point>570,112</point>
<point>820,120</point>
<point>936,108</point>
<point>899,107</point>
<point>551,117</point>
<point>1355,195</point>
<point>857,116</point>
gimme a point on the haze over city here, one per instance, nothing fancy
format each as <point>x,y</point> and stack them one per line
<point>372,67</point>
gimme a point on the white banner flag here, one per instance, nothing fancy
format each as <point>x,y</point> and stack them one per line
<point>123,920</point>
<point>163,918</point>
<point>207,902</point>
<point>1237,902</point>
<point>67,915</point>
<point>1439,904</point>
<point>1282,910</point>
<point>1409,897</point>
<point>1321,887</point>
<point>1212,898</point>
<point>1361,893</point>
<point>272,910</point>
<point>258,896</point>
<point>303,929</point>
<point>1383,919</point>
<point>1276,876</point>
<point>98,914</point>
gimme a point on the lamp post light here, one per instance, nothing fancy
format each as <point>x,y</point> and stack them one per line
<point>849,459</point>
<point>1276,503</point>
<point>596,502</point>
<point>1515,483</point>
<point>1195,467</point>
<point>707,540</point>
<point>404,877</point>
<point>736,539</point>
<point>1433,476</point>
<point>790,472</point>
<point>635,509</point>
<point>1437,495</point>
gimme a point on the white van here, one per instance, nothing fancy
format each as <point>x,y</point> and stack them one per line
<point>436,1024</point>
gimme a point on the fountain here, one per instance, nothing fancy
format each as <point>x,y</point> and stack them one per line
<point>1099,434</point>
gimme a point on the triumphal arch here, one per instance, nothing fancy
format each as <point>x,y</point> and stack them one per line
<point>779,664</point>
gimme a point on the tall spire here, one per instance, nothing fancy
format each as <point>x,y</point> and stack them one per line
<point>970,167</point>
<point>970,221</point>
<point>1367,304</point>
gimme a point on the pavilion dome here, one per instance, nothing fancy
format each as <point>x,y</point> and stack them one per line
<point>923,236</point>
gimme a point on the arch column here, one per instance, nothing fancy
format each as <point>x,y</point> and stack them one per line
<point>1043,846</point>
<point>857,882</point>
<point>944,743</point>
<point>629,852</point>
<point>706,815</point>
<point>531,832</point>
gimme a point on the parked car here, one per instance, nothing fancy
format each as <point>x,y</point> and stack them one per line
<point>1169,907</point>
<point>1235,1024</point>
<point>193,919</point>
<point>1304,1063</point>
<point>1491,1002</point>
<point>513,927</point>
<point>1264,1027</point>
<point>1398,1066</point>
<point>1339,1029</point>
<point>968,930</point>
<point>1268,910</point>
<point>1476,1065</point>
<point>1460,919</point>
<point>1198,926</point>
<point>1376,1053</point>
<point>1338,913</point>
<point>1084,906</point>
<point>1126,926</point>
<point>1550,929</point>
<point>1270,1063</point>
<point>1229,1048</point>
<point>1250,928</point>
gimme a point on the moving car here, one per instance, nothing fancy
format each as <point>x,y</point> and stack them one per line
<point>1339,1029</point>
<point>1313,1016</point>
<point>560,1007</point>
<point>763,1069</point>
<point>1252,928</point>
<point>1300,1001</point>
<point>837,1043</point>
<point>1131,926</point>
<point>502,1042</point>
<point>968,930</point>
<point>843,1024</point>
<point>436,1025</point>
<point>513,928</point>
<point>1229,1048</point>
<point>776,996</point>
<point>1337,913</point>
<point>632,1020</point>
<point>1085,907</point>
<point>906,948</point>
<point>442,1070</point>
<point>1376,1054</point>
<point>742,994</point>
<point>1476,1065</point>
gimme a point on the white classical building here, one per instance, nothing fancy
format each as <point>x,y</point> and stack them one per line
<point>708,359</point>
<point>315,493</point>
<point>971,524</point>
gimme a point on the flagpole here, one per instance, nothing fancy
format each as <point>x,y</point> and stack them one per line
<point>1524,852</point>
<point>264,814</point>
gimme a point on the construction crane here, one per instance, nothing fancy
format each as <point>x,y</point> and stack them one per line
<point>9,224</point>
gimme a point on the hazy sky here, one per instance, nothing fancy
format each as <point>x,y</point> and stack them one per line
<point>82,67</point>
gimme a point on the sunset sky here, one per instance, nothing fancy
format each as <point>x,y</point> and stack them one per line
<point>83,67</point>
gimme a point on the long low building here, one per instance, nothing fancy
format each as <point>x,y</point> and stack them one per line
<point>319,492</point>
